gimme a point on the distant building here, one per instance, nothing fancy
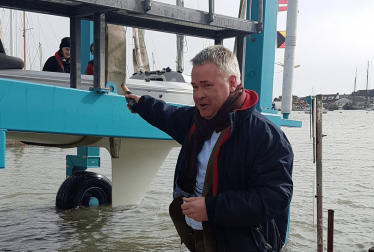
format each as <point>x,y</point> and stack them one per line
<point>358,99</point>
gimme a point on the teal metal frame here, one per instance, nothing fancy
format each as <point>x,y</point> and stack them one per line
<point>50,109</point>
<point>2,148</point>
<point>259,61</point>
<point>259,66</point>
<point>86,41</point>
<point>40,108</point>
<point>260,51</point>
<point>87,157</point>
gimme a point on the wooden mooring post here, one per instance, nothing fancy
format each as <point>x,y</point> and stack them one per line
<point>330,231</point>
<point>318,122</point>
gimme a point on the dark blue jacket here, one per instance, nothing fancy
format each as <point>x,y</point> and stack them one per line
<point>251,208</point>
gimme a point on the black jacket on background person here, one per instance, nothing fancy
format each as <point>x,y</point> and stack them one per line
<point>57,63</point>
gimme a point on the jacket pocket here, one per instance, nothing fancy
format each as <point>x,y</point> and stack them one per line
<point>261,243</point>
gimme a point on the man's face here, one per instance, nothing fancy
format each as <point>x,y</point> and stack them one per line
<point>210,88</point>
<point>66,52</point>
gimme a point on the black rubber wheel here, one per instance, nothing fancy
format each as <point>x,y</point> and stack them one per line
<point>84,189</point>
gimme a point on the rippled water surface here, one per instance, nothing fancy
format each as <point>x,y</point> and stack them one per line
<point>30,222</point>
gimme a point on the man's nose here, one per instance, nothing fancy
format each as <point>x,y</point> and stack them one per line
<point>199,93</point>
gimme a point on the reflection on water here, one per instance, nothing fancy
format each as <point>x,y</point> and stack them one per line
<point>18,152</point>
<point>85,227</point>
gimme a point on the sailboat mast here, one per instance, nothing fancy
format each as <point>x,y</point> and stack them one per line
<point>180,41</point>
<point>1,31</point>
<point>24,39</point>
<point>40,56</point>
<point>289,61</point>
<point>11,47</point>
<point>242,13</point>
<point>367,84</point>
<point>354,88</point>
<point>140,55</point>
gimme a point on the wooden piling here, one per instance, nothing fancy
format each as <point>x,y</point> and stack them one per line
<point>330,231</point>
<point>319,108</point>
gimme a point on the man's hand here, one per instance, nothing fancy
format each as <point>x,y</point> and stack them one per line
<point>195,208</point>
<point>132,96</point>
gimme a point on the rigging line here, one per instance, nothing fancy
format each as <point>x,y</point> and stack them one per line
<point>29,51</point>
<point>38,26</point>
<point>50,51</point>
<point>131,35</point>
<point>154,48</point>
<point>33,39</point>
<point>33,61</point>
<point>5,32</point>
<point>51,27</point>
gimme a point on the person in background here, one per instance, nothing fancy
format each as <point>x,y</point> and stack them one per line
<point>89,68</point>
<point>233,178</point>
<point>60,62</point>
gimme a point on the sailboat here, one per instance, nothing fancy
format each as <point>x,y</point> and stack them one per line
<point>353,105</point>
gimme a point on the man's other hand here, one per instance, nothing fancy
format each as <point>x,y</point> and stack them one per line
<point>195,208</point>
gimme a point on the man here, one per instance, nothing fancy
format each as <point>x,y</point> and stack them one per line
<point>232,182</point>
<point>60,62</point>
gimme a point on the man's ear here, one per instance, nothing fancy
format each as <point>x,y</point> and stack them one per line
<point>233,83</point>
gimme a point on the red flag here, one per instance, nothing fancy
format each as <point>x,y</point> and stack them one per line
<point>282,5</point>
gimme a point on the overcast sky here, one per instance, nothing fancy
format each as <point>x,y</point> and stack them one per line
<point>333,39</point>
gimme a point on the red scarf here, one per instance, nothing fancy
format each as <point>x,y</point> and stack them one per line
<point>205,128</point>
<point>57,55</point>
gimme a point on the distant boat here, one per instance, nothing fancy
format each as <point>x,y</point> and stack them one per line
<point>353,105</point>
<point>370,107</point>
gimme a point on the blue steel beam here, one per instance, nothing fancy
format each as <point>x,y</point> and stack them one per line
<point>260,53</point>
<point>86,41</point>
<point>87,157</point>
<point>259,60</point>
<point>30,107</point>
<point>2,148</point>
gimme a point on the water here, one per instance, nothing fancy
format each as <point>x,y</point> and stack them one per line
<point>30,222</point>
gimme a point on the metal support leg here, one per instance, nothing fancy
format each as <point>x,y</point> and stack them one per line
<point>260,24</point>
<point>75,52</point>
<point>211,11</point>
<point>115,146</point>
<point>87,157</point>
<point>2,148</point>
<point>240,52</point>
<point>218,42</point>
<point>99,52</point>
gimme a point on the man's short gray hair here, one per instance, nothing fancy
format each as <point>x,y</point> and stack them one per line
<point>224,58</point>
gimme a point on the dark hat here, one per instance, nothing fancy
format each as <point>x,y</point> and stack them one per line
<point>65,42</point>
